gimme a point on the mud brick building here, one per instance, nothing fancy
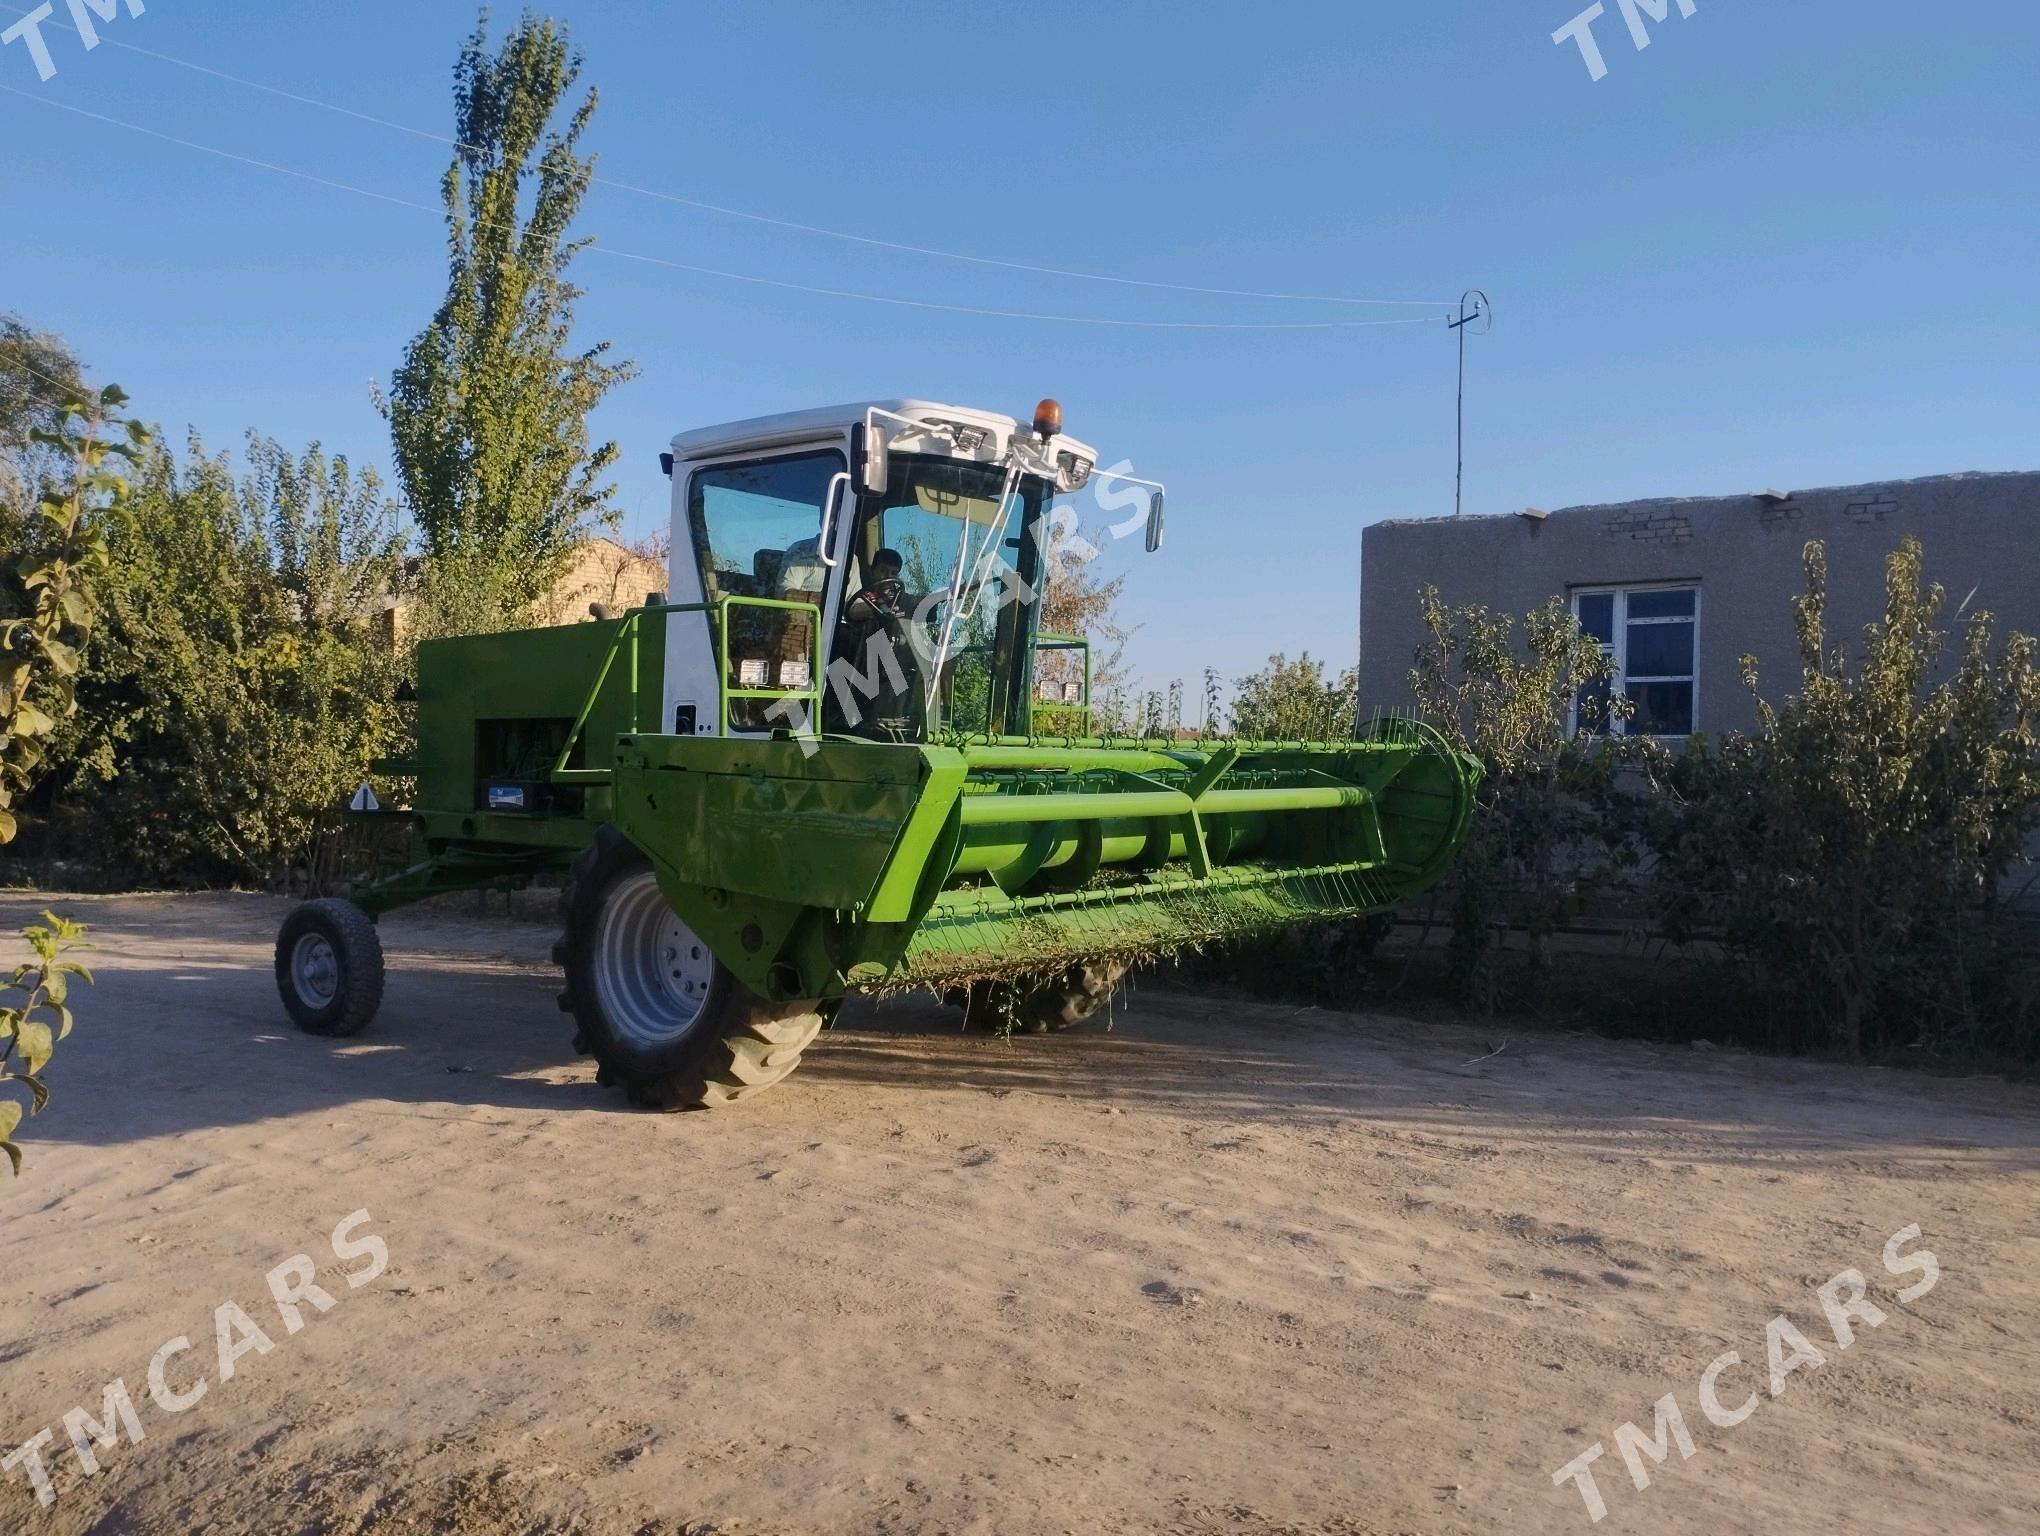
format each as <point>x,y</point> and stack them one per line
<point>1680,588</point>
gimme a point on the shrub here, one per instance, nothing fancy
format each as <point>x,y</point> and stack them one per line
<point>1851,852</point>
<point>61,564</point>
<point>1552,822</point>
<point>244,675</point>
<point>1294,701</point>
<point>27,1040</point>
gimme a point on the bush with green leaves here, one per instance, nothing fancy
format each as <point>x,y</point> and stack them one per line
<point>60,558</point>
<point>39,383</point>
<point>1294,701</point>
<point>245,671</point>
<point>1852,853</point>
<point>27,1038</point>
<point>1552,823</point>
<point>60,561</point>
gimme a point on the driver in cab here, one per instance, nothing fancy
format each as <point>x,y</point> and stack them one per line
<point>879,615</point>
<point>883,592</point>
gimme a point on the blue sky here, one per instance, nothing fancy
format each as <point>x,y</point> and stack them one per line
<point>1784,246</point>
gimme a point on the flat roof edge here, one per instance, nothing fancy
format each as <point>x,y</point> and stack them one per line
<point>1732,498</point>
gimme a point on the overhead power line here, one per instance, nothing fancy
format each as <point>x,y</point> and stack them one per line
<point>721,273</point>
<point>772,220</point>
<point>66,385</point>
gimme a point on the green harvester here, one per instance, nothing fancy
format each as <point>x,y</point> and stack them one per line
<point>843,757</point>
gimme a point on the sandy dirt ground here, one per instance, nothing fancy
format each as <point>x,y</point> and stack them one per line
<point>1227,1268</point>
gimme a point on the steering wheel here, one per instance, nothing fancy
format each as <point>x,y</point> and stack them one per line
<point>887,595</point>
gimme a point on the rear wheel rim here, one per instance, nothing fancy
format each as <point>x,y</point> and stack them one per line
<point>653,974</point>
<point>315,969</point>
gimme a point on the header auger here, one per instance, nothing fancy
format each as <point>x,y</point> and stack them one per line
<point>824,767</point>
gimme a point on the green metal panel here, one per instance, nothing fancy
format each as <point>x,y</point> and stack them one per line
<point>773,819</point>
<point>565,673</point>
<point>818,867</point>
<point>813,867</point>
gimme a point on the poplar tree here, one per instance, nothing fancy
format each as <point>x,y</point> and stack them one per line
<point>489,410</point>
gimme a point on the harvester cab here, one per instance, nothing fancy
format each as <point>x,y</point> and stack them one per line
<point>826,765</point>
<point>871,571</point>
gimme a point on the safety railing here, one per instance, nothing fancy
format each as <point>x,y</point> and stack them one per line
<point>812,693</point>
<point>628,641</point>
<point>1046,714</point>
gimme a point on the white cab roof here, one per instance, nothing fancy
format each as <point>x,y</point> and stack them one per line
<point>794,426</point>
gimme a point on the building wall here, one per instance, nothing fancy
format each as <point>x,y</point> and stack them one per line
<point>601,571</point>
<point>605,572</point>
<point>1978,530</point>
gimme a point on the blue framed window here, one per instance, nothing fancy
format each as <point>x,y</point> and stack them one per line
<point>1653,635</point>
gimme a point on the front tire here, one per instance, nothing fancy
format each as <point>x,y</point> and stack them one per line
<point>661,1015</point>
<point>329,967</point>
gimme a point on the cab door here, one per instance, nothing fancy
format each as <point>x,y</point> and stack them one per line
<point>748,528</point>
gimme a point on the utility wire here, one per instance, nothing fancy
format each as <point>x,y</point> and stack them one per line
<point>760,218</point>
<point>66,385</point>
<point>717,272</point>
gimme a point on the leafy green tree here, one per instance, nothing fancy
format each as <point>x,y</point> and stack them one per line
<point>1078,599</point>
<point>1851,852</point>
<point>62,559</point>
<point>27,1040</point>
<point>39,380</point>
<point>60,563</point>
<point>488,411</point>
<point>1294,701</point>
<point>1546,831</point>
<point>246,671</point>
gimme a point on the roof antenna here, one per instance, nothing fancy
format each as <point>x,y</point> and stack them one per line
<point>1473,309</point>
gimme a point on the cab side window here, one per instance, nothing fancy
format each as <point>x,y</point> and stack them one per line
<point>756,529</point>
<point>755,525</point>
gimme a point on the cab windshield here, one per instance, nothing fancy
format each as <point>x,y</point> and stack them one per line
<point>939,603</point>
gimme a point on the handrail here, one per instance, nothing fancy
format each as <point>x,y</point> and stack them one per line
<point>812,693</point>
<point>631,630</point>
<point>1053,642</point>
<point>837,481</point>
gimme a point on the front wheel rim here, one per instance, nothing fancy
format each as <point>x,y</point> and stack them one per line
<point>653,974</point>
<point>315,970</point>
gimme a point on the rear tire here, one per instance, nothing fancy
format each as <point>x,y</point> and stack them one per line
<point>329,967</point>
<point>662,1016</point>
<point>1045,1007</point>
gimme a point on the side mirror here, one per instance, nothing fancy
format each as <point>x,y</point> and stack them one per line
<point>1154,527</point>
<point>874,468</point>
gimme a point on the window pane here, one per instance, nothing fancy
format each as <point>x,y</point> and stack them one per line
<point>1591,708</point>
<point>755,526</point>
<point>1661,605</point>
<point>938,517</point>
<point>1660,650</point>
<point>1662,709</point>
<point>1597,616</point>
